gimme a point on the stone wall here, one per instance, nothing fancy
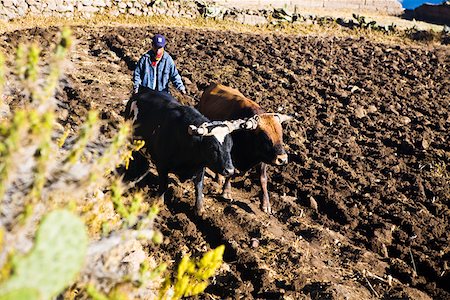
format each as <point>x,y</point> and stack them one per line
<point>10,9</point>
<point>385,6</point>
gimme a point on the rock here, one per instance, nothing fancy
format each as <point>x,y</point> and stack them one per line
<point>63,114</point>
<point>122,5</point>
<point>21,11</point>
<point>384,250</point>
<point>360,112</point>
<point>372,109</point>
<point>160,11</point>
<point>8,3</point>
<point>120,39</point>
<point>405,120</point>
<point>418,114</point>
<point>393,109</point>
<point>51,5</point>
<point>64,8</point>
<point>137,255</point>
<point>114,264</point>
<point>396,169</point>
<point>87,2</point>
<point>254,243</point>
<point>313,204</point>
<point>342,94</point>
<point>100,3</point>
<point>425,144</point>
<point>382,238</point>
<point>88,9</point>
<point>35,10</point>
<point>250,19</point>
<point>354,89</point>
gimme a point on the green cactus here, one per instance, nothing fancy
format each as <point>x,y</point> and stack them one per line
<point>21,294</point>
<point>53,263</point>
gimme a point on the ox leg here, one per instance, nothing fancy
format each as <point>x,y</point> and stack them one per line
<point>265,204</point>
<point>220,180</point>
<point>198,182</point>
<point>226,193</point>
<point>163,184</point>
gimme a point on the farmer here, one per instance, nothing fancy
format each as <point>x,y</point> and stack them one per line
<point>156,68</point>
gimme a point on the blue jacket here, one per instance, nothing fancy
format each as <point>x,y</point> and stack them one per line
<point>144,74</point>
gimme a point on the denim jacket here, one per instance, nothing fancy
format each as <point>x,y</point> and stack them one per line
<point>165,70</point>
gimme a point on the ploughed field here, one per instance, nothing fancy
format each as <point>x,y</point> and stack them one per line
<point>366,193</point>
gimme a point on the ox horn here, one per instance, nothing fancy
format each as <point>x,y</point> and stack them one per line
<point>283,118</point>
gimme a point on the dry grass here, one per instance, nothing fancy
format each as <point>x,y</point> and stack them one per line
<point>327,30</point>
<point>123,20</point>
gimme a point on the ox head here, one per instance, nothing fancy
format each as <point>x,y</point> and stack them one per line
<point>217,142</point>
<point>269,141</point>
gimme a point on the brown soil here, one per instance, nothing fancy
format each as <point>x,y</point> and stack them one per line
<point>370,146</point>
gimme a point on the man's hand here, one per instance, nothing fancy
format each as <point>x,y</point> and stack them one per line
<point>183,92</point>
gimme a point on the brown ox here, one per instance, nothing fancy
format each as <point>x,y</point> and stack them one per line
<point>250,148</point>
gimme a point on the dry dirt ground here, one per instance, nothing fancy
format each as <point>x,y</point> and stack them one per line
<point>362,209</point>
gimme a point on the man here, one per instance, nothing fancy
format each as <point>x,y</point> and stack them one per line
<point>156,68</point>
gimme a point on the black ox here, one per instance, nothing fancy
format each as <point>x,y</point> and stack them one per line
<point>180,140</point>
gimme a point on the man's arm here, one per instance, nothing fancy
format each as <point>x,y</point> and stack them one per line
<point>137,75</point>
<point>175,77</point>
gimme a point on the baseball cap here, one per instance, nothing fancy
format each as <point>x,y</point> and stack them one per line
<point>159,41</point>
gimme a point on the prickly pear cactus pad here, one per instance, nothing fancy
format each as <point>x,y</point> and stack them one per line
<point>21,294</point>
<point>54,261</point>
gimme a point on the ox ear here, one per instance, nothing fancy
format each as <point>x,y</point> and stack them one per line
<point>283,118</point>
<point>200,131</point>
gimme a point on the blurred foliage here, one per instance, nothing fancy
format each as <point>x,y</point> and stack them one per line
<point>192,276</point>
<point>128,156</point>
